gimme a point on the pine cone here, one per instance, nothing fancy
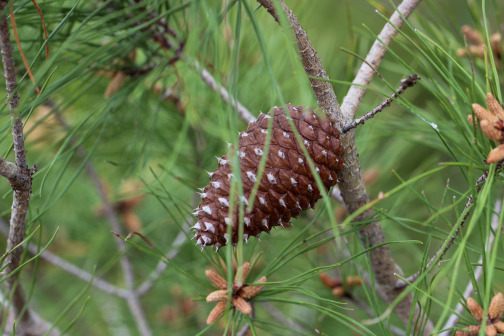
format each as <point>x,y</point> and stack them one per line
<point>287,185</point>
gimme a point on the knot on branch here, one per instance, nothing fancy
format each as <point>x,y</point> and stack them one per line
<point>20,179</point>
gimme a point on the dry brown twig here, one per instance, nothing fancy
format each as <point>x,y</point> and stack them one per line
<point>352,188</point>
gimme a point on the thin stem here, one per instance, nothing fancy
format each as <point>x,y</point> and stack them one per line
<point>212,83</point>
<point>70,268</point>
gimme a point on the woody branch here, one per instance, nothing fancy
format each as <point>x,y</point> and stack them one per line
<point>352,188</point>
<point>19,176</point>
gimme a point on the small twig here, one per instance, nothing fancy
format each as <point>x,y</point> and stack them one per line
<point>441,253</point>
<point>452,321</point>
<point>405,83</point>
<point>211,82</point>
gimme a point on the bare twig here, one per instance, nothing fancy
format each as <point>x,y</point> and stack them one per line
<point>70,268</point>
<point>452,321</point>
<point>441,253</point>
<point>405,83</point>
<point>212,83</point>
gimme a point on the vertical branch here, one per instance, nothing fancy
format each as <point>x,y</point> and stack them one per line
<point>21,184</point>
<point>352,187</point>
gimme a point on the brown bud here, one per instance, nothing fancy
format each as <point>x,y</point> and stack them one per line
<point>495,41</point>
<point>499,326</point>
<point>477,50</point>
<point>242,305</point>
<point>218,295</point>
<point>115,84</point>
<point>475,309</point>
<point>488,128</point>
<point>131,221</point>
<point>482,113</point>
<point>248,292</point>
<point>245,268</point>
<point>496,154</point>
<point>471,121</point>
<point>490,330</point>
<point>338,291</point>
<point>216,279</point>
<point>461,52</point>
<point>471,34</point>
<point>496,307</point>
<point>328,281</point>
<point>494,106</point>
<point>353,281</point>
<point>216,312</point>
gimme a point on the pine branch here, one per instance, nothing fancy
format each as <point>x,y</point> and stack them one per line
<point>352,186</point>
<point>405,83</point>
<point>438,256</point>
<point>19,177</point>
<point>71,268</point>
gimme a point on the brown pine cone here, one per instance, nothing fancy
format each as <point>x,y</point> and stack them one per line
<point>287,184</point>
